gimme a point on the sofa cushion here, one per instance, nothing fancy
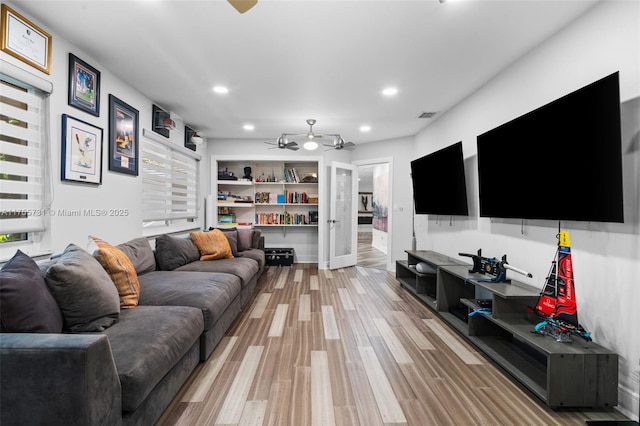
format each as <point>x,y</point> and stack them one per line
<point>255,254</point>
<point>26,304</point>
<point>140,253</point>
<point>121,270</point>
<point>210,292</point>
<point>147,343</point>
<point>83,290</point>
<point>212,245</point>
<point>172,252</point>
<point>242,267</point>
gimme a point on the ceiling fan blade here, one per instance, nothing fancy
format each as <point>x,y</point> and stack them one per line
<point>292,146</point>
<point>349,146</point>
<point>242,5</point>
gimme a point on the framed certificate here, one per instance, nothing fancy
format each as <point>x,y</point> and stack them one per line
<point>25,41</point>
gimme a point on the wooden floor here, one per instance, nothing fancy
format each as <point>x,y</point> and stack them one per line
<point>351,347</point>
<point>369,256</point>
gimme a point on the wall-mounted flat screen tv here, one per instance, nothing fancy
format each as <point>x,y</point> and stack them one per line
<point>562,161</point>
<point>439,186</point>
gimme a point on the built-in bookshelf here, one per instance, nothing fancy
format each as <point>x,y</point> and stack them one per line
<point>279,197</point>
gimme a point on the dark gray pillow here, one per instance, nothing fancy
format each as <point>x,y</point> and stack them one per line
<point>26,304</point>
<point>140,253</point>
<point>87,297</point>
<point>173,252</point>
<point>232,236</point>
<point>245,239</point>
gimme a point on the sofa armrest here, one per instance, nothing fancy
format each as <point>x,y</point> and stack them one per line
<point>58,379</point>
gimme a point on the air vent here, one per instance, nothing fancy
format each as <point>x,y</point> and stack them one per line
<point>427,114</point>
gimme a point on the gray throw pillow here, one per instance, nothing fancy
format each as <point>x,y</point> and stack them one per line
<point>140,253</point>
<point>245,239</point>
<point>173,252</point>
<point>87,297</point>
<point>26,304</point>
<point>232,236</point>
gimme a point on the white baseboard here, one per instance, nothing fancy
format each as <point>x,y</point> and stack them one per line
<point>628,403</point>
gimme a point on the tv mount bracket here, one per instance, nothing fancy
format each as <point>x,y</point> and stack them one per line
<point>492,266</point>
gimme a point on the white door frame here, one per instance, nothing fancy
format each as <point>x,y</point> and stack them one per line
<point>389,161</point>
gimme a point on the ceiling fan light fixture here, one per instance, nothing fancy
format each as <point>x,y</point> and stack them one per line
<point>312,140</point>
<point>310,145</point>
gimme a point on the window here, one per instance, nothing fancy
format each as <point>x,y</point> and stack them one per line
<point>23,165</point>
<point>170,186</point>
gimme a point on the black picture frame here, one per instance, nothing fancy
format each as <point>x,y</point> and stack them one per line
<point>365,202</point>
<point>124,137</point>
<point>84,86</point>
<point>81,151</point>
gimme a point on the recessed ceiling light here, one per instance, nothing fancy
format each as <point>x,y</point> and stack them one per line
<point>390,91</point>
<point>365,128</point>
<point>248,126</point>
<point>220,89</point>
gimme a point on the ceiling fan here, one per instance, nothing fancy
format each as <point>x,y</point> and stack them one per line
<point>339,143</point>
<point>283,143</point>
<point>311,144</point>
<point>242,5</point>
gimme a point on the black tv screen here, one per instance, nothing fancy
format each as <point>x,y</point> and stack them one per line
<point>562,161</point>
<point>439,182</point>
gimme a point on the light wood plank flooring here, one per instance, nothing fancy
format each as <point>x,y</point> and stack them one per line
<point>351,347</point>
<point>369,256</point>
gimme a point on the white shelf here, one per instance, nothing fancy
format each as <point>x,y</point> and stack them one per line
<point>235,182</point>
<point>223,204</point>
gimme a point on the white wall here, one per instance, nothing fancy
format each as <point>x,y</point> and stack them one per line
<point>606,256</point>
<point>118,191</point>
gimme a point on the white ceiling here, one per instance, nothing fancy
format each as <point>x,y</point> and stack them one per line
<point>286,61</point>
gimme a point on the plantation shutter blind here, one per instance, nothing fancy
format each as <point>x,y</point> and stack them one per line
<point>169,180</point>
<point>22,152</point>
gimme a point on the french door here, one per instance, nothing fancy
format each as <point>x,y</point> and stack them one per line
<point>343,216</point>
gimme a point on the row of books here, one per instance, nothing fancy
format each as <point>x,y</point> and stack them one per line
<point>287,197</point>
<point>292,175</point>
<point>282,219</point>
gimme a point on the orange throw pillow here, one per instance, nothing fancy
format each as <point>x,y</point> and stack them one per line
<point>212,245</point>
<point>121,270</point>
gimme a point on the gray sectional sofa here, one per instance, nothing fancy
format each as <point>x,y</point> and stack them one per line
<point>110,365</point>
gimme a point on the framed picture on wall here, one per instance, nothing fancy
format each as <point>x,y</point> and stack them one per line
<point>123,137</point>
<point>365,202</point>
<point>81,151</point>
<point>24,40</point>
<point>84,86</point>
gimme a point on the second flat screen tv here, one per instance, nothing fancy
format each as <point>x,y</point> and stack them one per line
<point>439,186</point>
<point>562,161</point>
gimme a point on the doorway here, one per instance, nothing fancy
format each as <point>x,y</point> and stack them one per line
<point>374,213</point>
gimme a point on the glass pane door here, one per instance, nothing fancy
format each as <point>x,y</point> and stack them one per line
<point>343,218</point>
